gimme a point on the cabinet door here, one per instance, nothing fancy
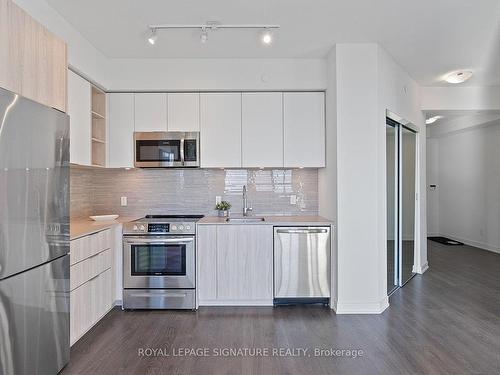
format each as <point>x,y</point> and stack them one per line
<point>183,112</point>
<point>121,130</point>
<point>262,129</point>
<point>33,61</point>
<point>220,130</point>
<point>150,112</point>
<point>80,119</point>
<point>206,256</point>
<point>245,263</point>
<point>304,129</point>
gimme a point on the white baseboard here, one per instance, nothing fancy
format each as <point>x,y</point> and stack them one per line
<point>481,245</point>
<point>248,303</point>
<point>421,269</point>
<point>361,307</point>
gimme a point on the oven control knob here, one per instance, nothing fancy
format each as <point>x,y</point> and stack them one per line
<point>174,227</point>
<point>135,227</point>
<point>188,227</point>
<point>142,227</point>
<point>181,227</point>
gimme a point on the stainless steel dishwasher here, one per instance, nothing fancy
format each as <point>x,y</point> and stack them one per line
<point>301,265</point>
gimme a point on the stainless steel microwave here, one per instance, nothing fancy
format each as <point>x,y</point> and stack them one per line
<point>167,149</point>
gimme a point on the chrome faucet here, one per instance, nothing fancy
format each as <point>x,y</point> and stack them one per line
<point>246,209</point>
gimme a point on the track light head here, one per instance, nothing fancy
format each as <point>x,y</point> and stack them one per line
<point>152,37</point>
<point>266,37</point>
<point>204,35</point>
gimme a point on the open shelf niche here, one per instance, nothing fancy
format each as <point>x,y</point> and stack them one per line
<point>98,112</point>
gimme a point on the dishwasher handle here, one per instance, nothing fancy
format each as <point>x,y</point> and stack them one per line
<point>302,231</point>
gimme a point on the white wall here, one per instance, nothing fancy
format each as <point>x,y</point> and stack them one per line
<point>327,177</point>
<point>217,74</point>
<point>461,98</point>
<point>364,82</point>
<point>468,166</point>
<point>432,179</point>
<point>400,94</point>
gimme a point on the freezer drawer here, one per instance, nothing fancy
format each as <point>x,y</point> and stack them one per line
<point>34,320</point>
<point>301,262</point>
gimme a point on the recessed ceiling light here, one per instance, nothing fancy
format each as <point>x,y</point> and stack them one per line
<point>152,37</point>
<point>460,76</point>
<point>432,120</point>
<point>266,37</point>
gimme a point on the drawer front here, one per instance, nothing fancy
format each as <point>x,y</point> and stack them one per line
<point>83,271</point>
<point>79,250</point>
<point>100,241</point>
<point>105,260</point>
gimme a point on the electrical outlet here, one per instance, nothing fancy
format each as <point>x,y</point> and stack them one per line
<point>123,201</point>
<point>218,199</point>
<point>293,199</point>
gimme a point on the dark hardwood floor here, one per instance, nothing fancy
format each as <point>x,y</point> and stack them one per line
<point>444,322</point>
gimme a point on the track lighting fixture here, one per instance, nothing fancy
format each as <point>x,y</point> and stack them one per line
<point>152,37</point>
<point>265,36</point>
<point>204,35</point>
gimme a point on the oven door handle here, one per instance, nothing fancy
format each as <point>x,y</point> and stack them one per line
<point>163,241</point>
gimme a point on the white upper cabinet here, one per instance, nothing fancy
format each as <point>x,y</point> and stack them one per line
<point>183,112</point>
<point>79,104</point>
<point>262,129</point>
<point>304,129</point>
<point>150,112</point>
<point>121,130</point>
<point>220,115</point>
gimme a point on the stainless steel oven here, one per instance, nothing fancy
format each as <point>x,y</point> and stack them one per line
<point>167,149</point>
<point>159,263</point>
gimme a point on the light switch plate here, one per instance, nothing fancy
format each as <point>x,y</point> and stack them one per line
<point>293,199</point>
<point>123,201</point>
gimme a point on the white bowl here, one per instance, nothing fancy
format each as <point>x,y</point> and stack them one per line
<point>104,217</point>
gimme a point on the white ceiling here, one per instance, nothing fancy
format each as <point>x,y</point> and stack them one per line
<point>426,37</point>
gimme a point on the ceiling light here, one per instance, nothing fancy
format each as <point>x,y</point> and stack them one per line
<point>460,76</point>
<point>203,36</point>
<point>432,120</point>
<point>152,37</point>
<point>266,37</point>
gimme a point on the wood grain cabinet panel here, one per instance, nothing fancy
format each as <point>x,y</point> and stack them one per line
<point>33,61</point>
<point>245,263</point>
<point>206,262</point>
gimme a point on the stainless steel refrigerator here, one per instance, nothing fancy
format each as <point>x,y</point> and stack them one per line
<point>34,237</point>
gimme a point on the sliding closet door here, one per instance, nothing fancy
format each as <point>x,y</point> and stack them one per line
<point>401,151</point>
<point>392,207</point>
<point>407,202</point>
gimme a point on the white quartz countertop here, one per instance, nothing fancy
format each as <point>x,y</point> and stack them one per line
<point>270,220</point>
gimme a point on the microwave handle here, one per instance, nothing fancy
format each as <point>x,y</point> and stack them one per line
<point>182,151</point>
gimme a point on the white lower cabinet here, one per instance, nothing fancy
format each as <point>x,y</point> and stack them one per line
<point>91,281</point>
<point>235,264</point>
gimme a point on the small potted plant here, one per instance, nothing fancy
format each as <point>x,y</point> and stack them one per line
<point>223,208</point>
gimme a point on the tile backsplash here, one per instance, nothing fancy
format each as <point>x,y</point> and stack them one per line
<point>192,191</point>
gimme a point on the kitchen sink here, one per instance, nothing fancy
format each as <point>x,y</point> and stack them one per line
<point>250,219</point>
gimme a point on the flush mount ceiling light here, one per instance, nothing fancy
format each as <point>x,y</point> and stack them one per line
<point>265,36</point>
<point>432,120</point>
<point>460,76</point>
<point>152,37</point>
